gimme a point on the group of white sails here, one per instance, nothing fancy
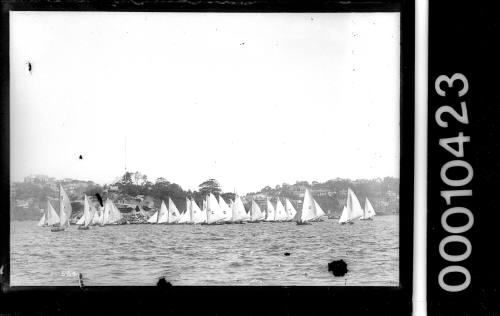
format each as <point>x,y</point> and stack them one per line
<point>212,212</point>
<point>218,211</point>
<point>51,218</point>
<point>104,216</point>
<point>353,210</point>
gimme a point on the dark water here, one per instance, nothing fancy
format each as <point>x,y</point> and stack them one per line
<point>251,254</point>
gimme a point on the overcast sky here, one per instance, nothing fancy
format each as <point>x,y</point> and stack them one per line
<point>249,99</point>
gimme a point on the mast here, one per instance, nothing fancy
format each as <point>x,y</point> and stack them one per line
<point>60,204</point>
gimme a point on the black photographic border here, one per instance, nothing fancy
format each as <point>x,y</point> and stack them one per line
<point>191,299</point>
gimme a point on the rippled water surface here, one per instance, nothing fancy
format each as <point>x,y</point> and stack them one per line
<point>251,254</point>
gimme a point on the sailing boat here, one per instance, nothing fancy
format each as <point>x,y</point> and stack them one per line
<point>290,210</point>
<point>50,217</point>
<point>270,212</point>
<point>197,216</point>
<point>280,214</point>
<point>88,214</point>
<point>368,211</point>
<point>173,213</point>
<point>168,215</point>
<point>239,213</point>
<point>97,219</point>
<point>353,209</point>
<point>226,210</point>
<point>214,211</point>
<point>308,211</point>
<point>162,214</point>
<point>256,215</point>
<point>64,211</point>
<point>319,213</point>
<point>111,215</point>
<point>185,217</point>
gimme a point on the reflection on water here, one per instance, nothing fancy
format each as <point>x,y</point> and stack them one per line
<point>251,254</point>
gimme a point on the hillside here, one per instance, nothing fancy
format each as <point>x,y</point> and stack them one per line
<point>28,199</point>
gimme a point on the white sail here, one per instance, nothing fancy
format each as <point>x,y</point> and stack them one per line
<point>111,213</point>
<point>319,211</point>
<point>343,217</point>
<point>226,210</point>
<point>95,218</point>
<point>308,211</point>
<point>92,211</point>
<point>43,220</point>
<point>64,208</point>
<point>186,216</point>
<point>353,208</point>
<point>162,216</point>
<point>106,216</point>
<point>369,212</point>
<point>116,215</point>
<point>239,212</point>
<point>255,213</point>
<point>49,217</point>
<point>214,211</point>
<point>197,216</point>
<point>281,214</point>
<point>52,217</point>
<point>270,214</point>
<point>154,218</point>
<point>173,213</point>
<point>290,209</point>
<point>87,215</point>
<point>205,208</point>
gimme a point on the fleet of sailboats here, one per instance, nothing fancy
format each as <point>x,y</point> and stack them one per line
<point>213,212</point>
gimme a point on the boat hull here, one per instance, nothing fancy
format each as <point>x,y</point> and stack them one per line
<point>303,223</point>
<point>83,227</point>
<point>57,229</point>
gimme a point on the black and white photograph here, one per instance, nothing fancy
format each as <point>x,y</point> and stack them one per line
<point>205,148</point>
